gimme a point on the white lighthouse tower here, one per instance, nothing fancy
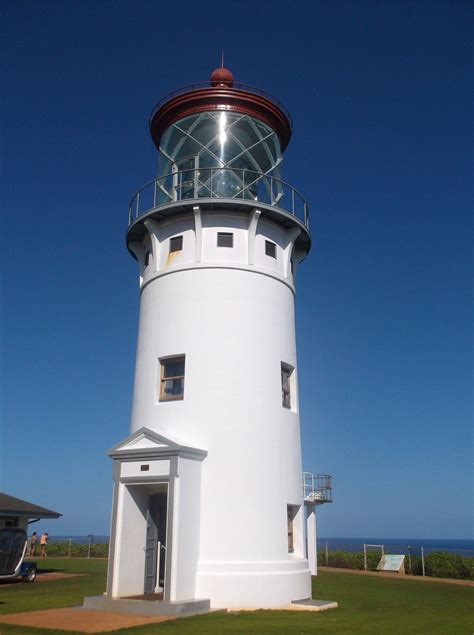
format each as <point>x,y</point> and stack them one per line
<point>208,501</point>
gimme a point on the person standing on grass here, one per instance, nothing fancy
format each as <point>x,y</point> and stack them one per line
<point>43,543</point>
<point>33,539</point>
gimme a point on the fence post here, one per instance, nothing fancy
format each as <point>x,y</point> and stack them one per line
<point>409,560</point>
<point>327,554</point>
<point>89,547</point>
<point>70,547</point>
<point>365,557</point>
<point>423,560</point>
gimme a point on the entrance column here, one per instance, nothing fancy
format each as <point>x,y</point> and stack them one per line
<point>311,538</point>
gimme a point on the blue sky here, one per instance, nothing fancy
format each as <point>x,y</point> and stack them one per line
<point>380,97</point>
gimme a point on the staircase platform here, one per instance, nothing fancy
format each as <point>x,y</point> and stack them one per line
<point>183,608</point>
<point>313,605</point>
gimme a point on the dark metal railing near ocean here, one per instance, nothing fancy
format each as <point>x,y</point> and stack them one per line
<point>343,554</point>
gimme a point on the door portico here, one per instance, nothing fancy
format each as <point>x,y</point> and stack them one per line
<point>151,551</point>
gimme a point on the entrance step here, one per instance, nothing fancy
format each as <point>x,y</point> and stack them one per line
<point>183,608</point>
<point>150,597</point>
<point>313,605</point>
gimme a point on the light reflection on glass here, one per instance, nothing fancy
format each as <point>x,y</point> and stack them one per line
<point>222,126</point>
<point>224,154</point>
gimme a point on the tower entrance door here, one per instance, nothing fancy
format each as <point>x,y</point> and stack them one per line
<point>155,543</point>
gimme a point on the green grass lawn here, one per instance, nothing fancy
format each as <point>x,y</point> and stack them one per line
<point>19,597</point>
<point>366,605</point>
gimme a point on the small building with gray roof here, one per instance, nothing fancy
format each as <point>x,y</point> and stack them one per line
<point>15,512</point>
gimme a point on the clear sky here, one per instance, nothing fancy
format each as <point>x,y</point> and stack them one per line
<point>380,96</point>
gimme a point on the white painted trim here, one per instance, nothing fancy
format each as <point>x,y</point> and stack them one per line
<point>311,537</point>
<point>153,229</point>
<point>174,546</point>
<point>290,236</point>
<point>252,232</point>
<point>118,538</point>
<point>198,232</point>
<point>249,269</point>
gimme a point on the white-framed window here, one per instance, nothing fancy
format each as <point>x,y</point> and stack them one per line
<point>287,389</point>
<point>225,239</point>
<point>171,378</point>
<point>270,249</point>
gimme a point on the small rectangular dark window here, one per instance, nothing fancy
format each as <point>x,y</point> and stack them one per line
<point>147,258</point>
<point>145,468</point>
<point>270,249</point>
<point>172,378</point>
<point>225,239</point>
<point>291,511</point>
<point>176,244</point>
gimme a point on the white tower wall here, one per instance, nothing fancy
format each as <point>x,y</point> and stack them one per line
<point>230,311</point>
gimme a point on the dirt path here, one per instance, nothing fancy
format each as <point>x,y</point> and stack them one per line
<point>44,577</point>
<point>79,619</point>
<point>397,576</point>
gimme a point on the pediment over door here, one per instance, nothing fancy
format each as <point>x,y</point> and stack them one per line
<point>146,442</point>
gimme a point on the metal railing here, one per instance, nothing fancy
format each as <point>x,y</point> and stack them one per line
<point>78,547</point>
<point>236,86</point>
<point>317,488</point>
<point>216,182</point>
<point>434,560</point>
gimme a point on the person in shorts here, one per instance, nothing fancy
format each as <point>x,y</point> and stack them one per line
<point>33,540</point>
<point>43,543</point>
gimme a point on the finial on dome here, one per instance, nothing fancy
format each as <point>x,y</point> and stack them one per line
<point>222,77</point>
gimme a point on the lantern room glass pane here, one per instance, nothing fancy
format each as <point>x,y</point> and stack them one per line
<point>221,139</point>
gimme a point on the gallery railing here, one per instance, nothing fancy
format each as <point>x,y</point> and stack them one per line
<point>236,86</point>
<point>317,488</point>
<point>216,182</point>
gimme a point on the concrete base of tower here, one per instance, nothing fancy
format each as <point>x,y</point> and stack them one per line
<point>245,585</point>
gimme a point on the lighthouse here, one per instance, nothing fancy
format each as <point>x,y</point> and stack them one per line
<point>208,504</point>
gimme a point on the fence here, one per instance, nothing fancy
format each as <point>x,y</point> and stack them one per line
<point>420,560</point>
<point>77,547</point>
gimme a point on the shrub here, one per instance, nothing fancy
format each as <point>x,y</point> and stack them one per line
<point>416,568</point>
<point>439,564</point>
<point>349,559</point>
<point>442,564</point>
<point>61,549</point>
